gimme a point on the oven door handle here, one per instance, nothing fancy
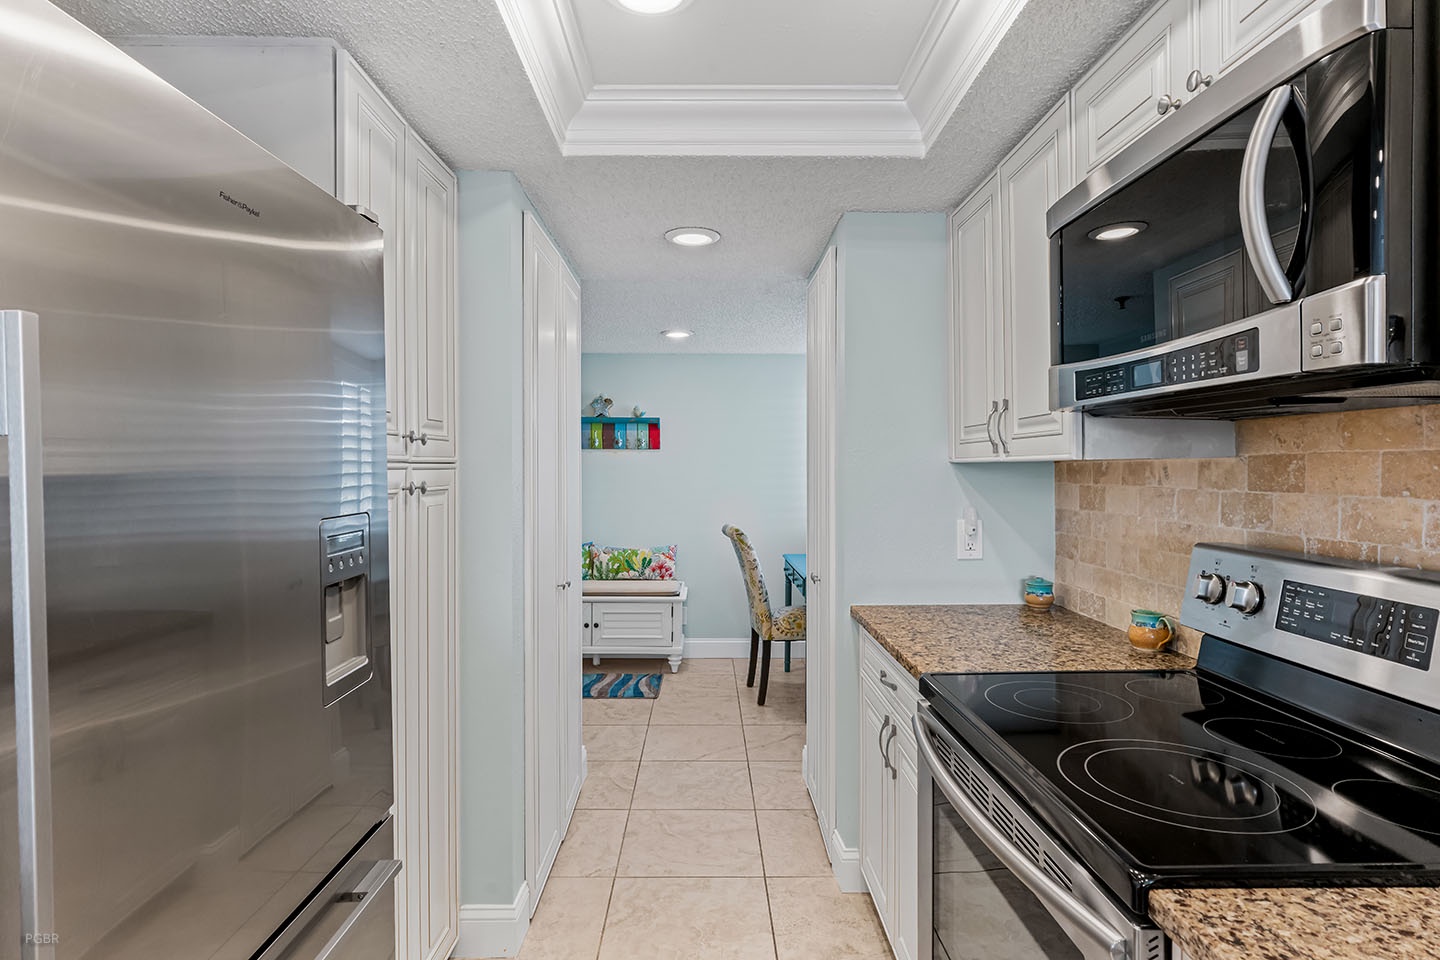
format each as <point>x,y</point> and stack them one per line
<point>1282,104</point>
<point>1103,941</point>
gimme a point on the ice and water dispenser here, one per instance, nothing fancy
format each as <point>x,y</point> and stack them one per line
<point>345,574</point>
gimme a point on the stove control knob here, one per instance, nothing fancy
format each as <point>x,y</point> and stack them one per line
<point>1210,587</point>
<point>1241,792</point>
<point>1246,596</point>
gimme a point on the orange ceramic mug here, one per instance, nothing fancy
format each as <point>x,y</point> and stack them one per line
<point>1150,632</point>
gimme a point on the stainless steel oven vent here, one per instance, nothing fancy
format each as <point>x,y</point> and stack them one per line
<point>1054,871</point>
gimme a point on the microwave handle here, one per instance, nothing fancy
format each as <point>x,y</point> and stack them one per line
<point>1077,918</point>
<point>1282,105</point>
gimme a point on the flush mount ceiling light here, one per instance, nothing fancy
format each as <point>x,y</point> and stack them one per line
<point>1118,231</point>
<point>692,236</point>
<point>677,334</point>
<point>651,7</point>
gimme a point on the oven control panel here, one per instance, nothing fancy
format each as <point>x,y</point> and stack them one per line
<point>1230,356</point>
<point>1399,632</point>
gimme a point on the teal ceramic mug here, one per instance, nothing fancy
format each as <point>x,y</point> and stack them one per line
<point>1150,632</point>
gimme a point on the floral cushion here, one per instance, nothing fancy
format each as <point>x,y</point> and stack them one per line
<point>632,563</point>
<point>789,624</point>
<point>587,560</point>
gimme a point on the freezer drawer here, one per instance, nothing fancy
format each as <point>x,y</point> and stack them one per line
<point>352,915</point>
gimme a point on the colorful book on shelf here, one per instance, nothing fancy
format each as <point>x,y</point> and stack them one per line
<point>620,433</point>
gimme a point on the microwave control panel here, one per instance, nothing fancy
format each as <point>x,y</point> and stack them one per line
<point>1230,356</point>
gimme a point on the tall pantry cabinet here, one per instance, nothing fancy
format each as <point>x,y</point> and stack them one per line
<point>310,104</point>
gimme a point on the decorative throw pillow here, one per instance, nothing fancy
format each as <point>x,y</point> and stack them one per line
<point>588,553</point>
<point>633,563</point>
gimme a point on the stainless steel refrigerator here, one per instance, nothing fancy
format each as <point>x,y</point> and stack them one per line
<point>195,734</point>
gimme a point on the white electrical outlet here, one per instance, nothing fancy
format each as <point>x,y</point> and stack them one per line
<point>968,537</point>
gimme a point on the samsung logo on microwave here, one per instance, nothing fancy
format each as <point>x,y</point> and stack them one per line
<point>239,203</point>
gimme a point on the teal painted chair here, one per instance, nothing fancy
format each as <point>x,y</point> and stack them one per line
<point>786,624</point>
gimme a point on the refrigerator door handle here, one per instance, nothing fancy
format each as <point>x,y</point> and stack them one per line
<point>363,896</point>
<point>20,422</point>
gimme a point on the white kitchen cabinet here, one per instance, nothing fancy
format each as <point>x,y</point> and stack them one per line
<point>427,384</point>
<point>977,362</point>
<point>1033,177</point>
<point>423,626</point>
<point>1135,85</point>
<point>889,796</point>
<point>1231,30</point>
<point>551,320</point>
<point>310,104</point>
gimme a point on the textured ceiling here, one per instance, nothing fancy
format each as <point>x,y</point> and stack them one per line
<point>451,69</point>
<point>754,41</point>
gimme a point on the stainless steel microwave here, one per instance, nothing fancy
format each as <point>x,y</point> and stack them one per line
<point>1272,246</point>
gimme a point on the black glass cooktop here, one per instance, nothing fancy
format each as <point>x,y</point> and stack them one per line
<point>1182,778</point>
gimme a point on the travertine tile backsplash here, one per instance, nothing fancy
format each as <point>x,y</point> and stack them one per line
<point>1362,485</point>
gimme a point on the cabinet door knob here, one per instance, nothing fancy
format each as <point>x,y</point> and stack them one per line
<point>814,578</point>
<point>1198,81</point>
<point>421,438</point>
<point>1166,103</point>
<point>413,488</point>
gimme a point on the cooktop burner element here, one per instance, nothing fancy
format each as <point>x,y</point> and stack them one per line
<point>1414,808</point>
<point>1181,786</point>
<point>1059,701</point>
<point>1275,739</point>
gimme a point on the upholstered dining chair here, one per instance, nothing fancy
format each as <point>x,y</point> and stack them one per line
<point>786,624</point>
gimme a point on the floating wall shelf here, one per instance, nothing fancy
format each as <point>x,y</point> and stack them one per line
<point>620,433</point>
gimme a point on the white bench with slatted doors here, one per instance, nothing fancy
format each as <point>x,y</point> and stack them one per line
<point>633,618</point>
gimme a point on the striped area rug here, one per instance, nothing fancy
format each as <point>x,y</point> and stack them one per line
<point>614,686</point>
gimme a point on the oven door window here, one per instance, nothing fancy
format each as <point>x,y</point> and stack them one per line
<point>980,910</point>
<point>1165,257</point>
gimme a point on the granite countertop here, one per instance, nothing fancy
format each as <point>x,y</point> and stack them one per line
<point>1343,923</point>
<point>1002,638</point>
<point>1297,923</point>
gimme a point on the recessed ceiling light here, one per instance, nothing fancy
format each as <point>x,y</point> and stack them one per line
<point>692,236</point>
<point>677,334</point>
<point>652,6</point>
<point>1118,231</point>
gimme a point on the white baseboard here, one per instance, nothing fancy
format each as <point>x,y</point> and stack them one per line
<point>708,648</point>
<point>845,863</point>
<point>493,929</point>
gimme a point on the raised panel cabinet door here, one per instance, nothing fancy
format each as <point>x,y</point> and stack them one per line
<point>430,303</point>
<point>1031,179</point>
<point>820,363</point>
<point>1233,29</point>
<point>548,658</point>
<point>372,175</point>
<point>905,935</point>
<point>1119,98</point>
<point>975,320</point>
<point>406,765</point>
<point>877,841</point>
<point>436,844</point>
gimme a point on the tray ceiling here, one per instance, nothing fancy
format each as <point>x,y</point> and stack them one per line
<point>754,77</point>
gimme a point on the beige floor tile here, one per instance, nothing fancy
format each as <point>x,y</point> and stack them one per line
<point>623,711</point>
<point>688,919</point>
<point>692,785</point>
<point>614,742</point>
<point>780,741</point>
<point>706,683</point>
<point>691,843</point>
<point>695,709</point>
<point>781,706</point>
<point>665,742</point>
<point>568,924</point>
<point>704,665</point>
<point>790,840</point>
<point>813,919</point>
<point>777,786</point>
<point>609,785</point>
<point>592,846</point>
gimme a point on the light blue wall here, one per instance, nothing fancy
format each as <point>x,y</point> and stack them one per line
<point>732,451</point>
<point>491,535</point>
<point>897,496</point>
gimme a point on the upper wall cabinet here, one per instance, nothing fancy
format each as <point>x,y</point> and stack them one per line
<point>1230,30</point>
<point>1137,84</point>
<point>310,104</point>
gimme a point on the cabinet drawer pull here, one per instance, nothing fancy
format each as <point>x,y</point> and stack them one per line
<point>880,741</point>
<point>421,438</point>
<point>412,487</point>
<point>989,430</point>
<point>889,683</point>
<point>1000,424</point>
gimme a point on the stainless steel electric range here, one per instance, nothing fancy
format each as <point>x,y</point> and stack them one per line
<point>1303,749</point>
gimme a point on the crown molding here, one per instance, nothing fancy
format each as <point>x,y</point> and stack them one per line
<point>950,55</point>
<point>903,120</point>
